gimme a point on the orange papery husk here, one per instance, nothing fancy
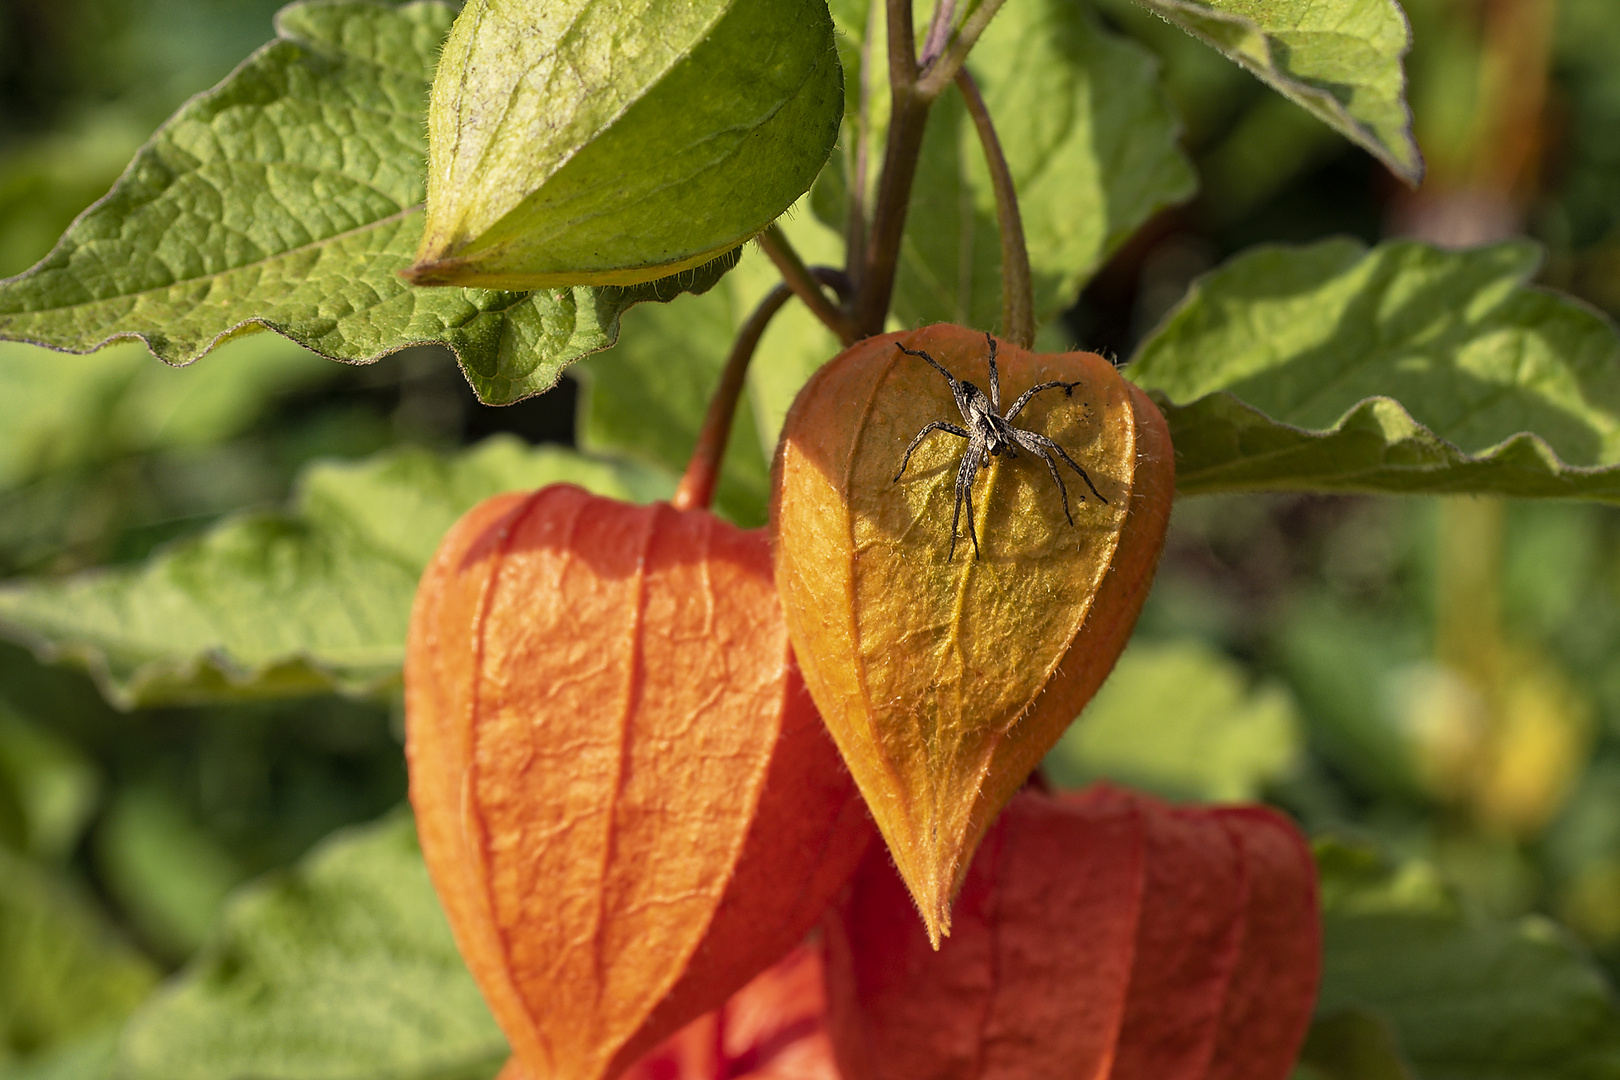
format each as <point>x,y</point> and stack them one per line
<point>1104,936</point>
<point>944,677</point>
<point>771,1029</point>
<point>625,798</point>
<point>1279,966</point>
<point>1033,980</point>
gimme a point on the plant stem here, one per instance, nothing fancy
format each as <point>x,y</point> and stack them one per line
<point>908,116</point>
<point>697,486</point>
<point>799,279</point>
<point>942,72</point>
<point>1017,286</point>
<point>696,489</point>
<point>939,31</point>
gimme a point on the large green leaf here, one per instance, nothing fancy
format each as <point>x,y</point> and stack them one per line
<point>290,196</point>
<point>1464,999</point>
<point>1179,718</point>
<point>64,974</point>
<point>612,143</point>
<point>1404,368</point>
<point>270,604</point>
<point>1341,59</point>
<point>1089,139</point>
<point>342,969</point>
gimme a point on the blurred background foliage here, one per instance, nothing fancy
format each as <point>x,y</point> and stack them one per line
<point>1436,676</point>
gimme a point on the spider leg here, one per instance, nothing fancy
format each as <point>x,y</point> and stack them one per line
<point>1040,443</point>
<point>937,425</point>
<point>995,379</point>
<point>937,365</point>
<point>972,462</point>
<point>1023,399</point>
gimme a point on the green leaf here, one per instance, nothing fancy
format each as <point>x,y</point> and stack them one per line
<point>1464,999</point>
<point>1341,60</point>
<point>648,397</point>
<point>1400,369</point>
<point>1181,719</point>
<point>1090,141</point>
<point>70,411</point>
<point>49,786</point>
<point>290,197</point>
<point>609,143</point>
<point>164,871</point>
<point>342,969</point>
<point>63,973</point>
<point>272,604</point>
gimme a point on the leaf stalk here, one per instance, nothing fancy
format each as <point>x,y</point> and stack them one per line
<point>1017,284</point>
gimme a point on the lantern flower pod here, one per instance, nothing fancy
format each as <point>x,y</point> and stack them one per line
<point>1098,937</point>
<point>945,677</point>
<point>625,798</point>
<point>771,1029</point>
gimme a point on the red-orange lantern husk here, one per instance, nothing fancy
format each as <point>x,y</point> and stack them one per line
<point>771,1029</point>
<point>1104,936</point>
<point>625,797</point>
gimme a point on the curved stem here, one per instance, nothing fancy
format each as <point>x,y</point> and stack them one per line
<point>696,489</point>
<point>803,283</point>
<point>1017,285</point>
<point>702,476</point>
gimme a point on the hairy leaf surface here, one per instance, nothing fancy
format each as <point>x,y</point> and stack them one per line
<point>270,604</point>
<point>342,968</point>
<point>603,142</point>
<point>290,196</point>
<point>1400,369</point>
<point>1341,60</point>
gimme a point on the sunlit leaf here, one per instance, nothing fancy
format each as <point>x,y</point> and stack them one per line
<point>1404,368</point>
<point>270,604</point>
<point>342,968</point>
<point>290,196</point>
<point>614,143</point>
<point>1340,59</point>
<point>1181,719</point>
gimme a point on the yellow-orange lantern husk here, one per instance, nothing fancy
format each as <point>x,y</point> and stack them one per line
<point>625,798</point>
<point>944,678</point>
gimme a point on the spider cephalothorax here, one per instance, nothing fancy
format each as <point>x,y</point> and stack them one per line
<point>991,433</point>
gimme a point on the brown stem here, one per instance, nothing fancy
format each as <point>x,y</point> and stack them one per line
<point>907,117</point>
<point>697,486</point>
<point>906,123</point>
<point>696,489</point>
<point>800,280</point>
<point>1017,286</point>
<point>942,72</point>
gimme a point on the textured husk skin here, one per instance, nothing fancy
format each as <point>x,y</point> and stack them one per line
<point>1104,936</point>
<point>944,680</point>
<point>625,798</point>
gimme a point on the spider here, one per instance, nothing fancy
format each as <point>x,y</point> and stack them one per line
<point>991,433</point>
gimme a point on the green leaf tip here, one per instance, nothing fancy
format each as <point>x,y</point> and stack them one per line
<point>607,143</point>
<point>289,197</point>
<point>1405,368</point>
<point>1341,61</point>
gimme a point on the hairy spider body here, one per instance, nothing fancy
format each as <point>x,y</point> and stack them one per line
<point>989,433</point>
